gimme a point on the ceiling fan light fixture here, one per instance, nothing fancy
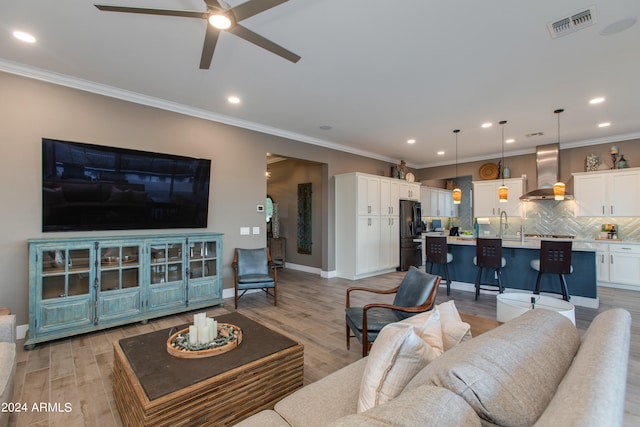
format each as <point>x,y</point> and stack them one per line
<point>220,21</point>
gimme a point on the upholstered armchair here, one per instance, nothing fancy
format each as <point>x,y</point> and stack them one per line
<point>415,294</point>
<point>254,269</point>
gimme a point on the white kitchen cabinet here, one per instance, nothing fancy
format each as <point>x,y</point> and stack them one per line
<point>437,202</point>
<point>389,197</point>
<point>486,202</point>
<point>602,262</point>
<point>389,242</point>
<point>409,191</point>
<point>367,225</point>
<point>368,244</point>
<point>606,193</point>
<point>618,265</point>
<point>368,195</point>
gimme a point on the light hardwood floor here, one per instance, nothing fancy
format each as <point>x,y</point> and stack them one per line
<point>310,309</point>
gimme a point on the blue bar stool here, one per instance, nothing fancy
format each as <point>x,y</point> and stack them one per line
<point>555,258</point>
<point>489,255</point>
<point>437,254</point>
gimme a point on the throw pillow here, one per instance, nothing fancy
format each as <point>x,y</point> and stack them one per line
<point>454,330</point>
<point>427,325</point>
<point>397,354</point>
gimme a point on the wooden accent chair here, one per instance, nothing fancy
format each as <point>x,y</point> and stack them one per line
<point>415,294</point>
<point>254,269</point>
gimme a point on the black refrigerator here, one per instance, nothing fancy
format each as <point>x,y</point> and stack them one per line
<point>410,229</point>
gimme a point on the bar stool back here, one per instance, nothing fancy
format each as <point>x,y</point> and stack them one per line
<point>489,255</point>
<point>437,254</point>
<point>555,258</point>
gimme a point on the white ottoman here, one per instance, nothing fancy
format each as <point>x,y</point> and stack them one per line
<point>513,304</point>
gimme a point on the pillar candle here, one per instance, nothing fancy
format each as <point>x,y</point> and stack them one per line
<point>193,335</point>
<point>203,335</point>
<point>210,327</point>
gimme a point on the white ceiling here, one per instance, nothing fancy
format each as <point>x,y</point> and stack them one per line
<point>378,72</point>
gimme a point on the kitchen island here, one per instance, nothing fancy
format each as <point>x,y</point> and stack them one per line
<point>518,275</point>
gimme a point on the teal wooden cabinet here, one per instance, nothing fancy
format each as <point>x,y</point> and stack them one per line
<point>79,285</point>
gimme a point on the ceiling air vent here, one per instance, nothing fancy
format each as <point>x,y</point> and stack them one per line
<point>572,23</point>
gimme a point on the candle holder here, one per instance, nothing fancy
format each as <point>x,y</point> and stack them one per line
<point>614,156</point>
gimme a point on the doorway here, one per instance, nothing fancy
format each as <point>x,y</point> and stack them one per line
<point>295,188</point>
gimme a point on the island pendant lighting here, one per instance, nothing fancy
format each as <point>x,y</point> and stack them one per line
<point>457,193</point>
<point>503,190</point>
<point>558,187</point>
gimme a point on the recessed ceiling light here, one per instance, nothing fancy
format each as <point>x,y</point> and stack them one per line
<point>233,100</point>
<point>604,125</point>
<point>597,100</point>
<point>25,37</point>
<point>618,26</point>
<point>487,125</point>
<point>411,141</point>
<point>510,140</point>
<point>440,153</point>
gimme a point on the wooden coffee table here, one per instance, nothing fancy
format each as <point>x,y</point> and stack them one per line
<point>479,325</point>
<point>153,388</point>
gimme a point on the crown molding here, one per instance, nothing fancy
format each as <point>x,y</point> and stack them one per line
<point>137,98</point>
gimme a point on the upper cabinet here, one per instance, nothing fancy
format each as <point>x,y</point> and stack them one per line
<point>389,197</point>
<point>409,191</point>
<point>368,195</point>
<point>437,202</point>
<point>607,193</point>
<point>486,202</point>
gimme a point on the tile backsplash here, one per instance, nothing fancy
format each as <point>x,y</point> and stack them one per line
<point>556,217</point>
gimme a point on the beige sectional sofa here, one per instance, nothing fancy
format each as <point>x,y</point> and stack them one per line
<point>533,370</point>
<point>7,363</point>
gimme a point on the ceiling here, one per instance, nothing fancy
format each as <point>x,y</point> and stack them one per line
<point>373,73</point>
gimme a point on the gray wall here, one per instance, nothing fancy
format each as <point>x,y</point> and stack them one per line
<point>32,109</point>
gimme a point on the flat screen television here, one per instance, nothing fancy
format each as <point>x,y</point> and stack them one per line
<point>93,187</point>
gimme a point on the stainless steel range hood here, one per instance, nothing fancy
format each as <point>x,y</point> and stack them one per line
<point>548,173</point>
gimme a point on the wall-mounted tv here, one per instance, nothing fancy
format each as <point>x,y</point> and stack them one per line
<point>93,187</point>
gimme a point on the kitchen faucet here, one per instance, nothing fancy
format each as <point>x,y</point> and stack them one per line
<point>506,223</point>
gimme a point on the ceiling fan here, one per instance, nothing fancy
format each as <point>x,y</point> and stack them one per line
<point>220,18</point>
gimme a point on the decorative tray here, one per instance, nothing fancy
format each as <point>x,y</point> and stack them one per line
<point>489,171</point>
<point>229,337</point>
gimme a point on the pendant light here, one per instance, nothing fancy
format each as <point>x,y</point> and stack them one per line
<point>558,187</point>
<point>503,190</point>
<point>457,193</point>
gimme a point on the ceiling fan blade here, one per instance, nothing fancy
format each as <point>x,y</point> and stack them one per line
<point>264,43</point>
<point>210,41</point>
<point>182,13</point>
<point>254,7</point>
<point>213,4</point>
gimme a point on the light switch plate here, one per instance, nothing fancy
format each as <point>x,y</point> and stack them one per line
<point>256,230</point>
<point>245,231</point>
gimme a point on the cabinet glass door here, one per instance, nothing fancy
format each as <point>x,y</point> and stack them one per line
<point>65,272</point>
<point>203,270</point>
<point>202,259</point>
<point>119,268</point>
<point>166,263</point>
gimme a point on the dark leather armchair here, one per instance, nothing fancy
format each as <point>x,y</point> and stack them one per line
<point>415,294</point>
<point>254,269</point>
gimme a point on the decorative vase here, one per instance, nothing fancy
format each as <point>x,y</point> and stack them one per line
<point>275,222</point>
<point>506,172</point>
<point>592,162</point>
<point>622,163</point>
